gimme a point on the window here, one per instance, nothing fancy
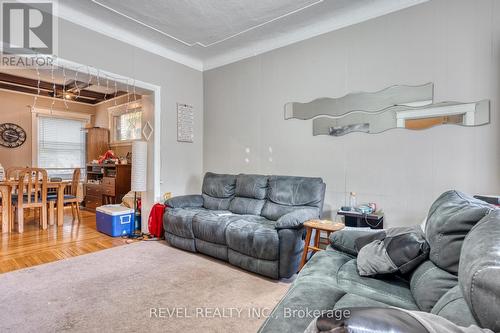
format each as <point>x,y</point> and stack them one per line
<point>127,126</point>
<point>61,146</point>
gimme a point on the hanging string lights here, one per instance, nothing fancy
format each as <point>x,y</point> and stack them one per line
<point>64,88</point>
<point>61,87</point>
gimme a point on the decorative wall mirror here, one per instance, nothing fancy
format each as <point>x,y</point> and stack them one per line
<point>409,107</point>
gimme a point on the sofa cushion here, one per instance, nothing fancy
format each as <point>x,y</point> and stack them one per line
<point>218,190</point>
<point>285,193</point>
<point>345,240</point>
<point>213,203</point>
<point>253,236</point>
<point>324,266</point>
<point>300,306</point>
<point>429,283</point>
<point>185,201</point>
<point>219,185</point>
<point>355,301</point>
<point>453,307</point>
<point>187,244</point>
<point>339,270</point>
<point>274,211</point>
<point>214,250</point>
<point>392,290</point>
<point>450,219</point>
<point>395,249</point>
<point>480,270</point>
<point>179,221</point>
<point>211,227</point>
<point>246,206</point>
<point>251,186</point>
<point>296,191</point>
<point>269,268</point>
<point>296,218</point>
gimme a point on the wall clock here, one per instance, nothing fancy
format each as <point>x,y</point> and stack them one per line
<point>11,135</point>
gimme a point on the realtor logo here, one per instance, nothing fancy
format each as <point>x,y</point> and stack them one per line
<point>28,27</point>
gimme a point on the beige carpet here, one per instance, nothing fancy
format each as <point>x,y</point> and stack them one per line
<point>145,286</point>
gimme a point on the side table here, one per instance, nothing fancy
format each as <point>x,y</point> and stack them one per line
<point>356,219</point>
<point>317,226</point>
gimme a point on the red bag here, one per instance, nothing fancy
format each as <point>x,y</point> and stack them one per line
<point>155,222</point>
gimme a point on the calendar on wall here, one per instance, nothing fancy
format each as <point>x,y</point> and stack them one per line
<point>185,123</point>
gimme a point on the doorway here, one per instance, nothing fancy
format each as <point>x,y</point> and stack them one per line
<point>55,101</point>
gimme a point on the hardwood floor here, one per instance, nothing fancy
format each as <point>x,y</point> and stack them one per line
<point>36,246</point>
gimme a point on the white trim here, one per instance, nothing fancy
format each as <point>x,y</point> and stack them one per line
<point>111,99</point>
<point>62,114</point>
<point>121,144</point>
<point>156,90</point>
<point>118,33</point>
<point>303,34</point>
<point>127,106</point>
<point>467,110</point>
<point>116,111</point>
<point>34,139</point>
<point>198,63</point>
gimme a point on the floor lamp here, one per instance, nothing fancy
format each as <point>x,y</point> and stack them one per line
<point>139,176</point>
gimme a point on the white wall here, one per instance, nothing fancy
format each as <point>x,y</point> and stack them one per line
<point>453,43</point>
<point>181,163</point>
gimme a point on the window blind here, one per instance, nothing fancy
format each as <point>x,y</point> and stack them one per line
<point>61,146</point>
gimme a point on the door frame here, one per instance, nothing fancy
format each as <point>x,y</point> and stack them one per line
<point>156,90</point>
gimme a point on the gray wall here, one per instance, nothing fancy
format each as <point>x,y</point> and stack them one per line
<point>454,44</point>
<point>181,163</point>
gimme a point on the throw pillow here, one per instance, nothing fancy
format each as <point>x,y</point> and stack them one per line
<point>392,250</point>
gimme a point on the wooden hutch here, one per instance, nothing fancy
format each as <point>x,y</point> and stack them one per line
<point>105,183</point>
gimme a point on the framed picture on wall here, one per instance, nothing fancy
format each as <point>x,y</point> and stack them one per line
<point>185,123</point>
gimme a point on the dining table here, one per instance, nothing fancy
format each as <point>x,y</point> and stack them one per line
<point>8,186</point>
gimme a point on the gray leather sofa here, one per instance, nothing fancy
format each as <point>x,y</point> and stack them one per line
<point>253,221</point>
<point>459,283</point>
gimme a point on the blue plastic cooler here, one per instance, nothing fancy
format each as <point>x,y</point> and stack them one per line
<point>114,220</point>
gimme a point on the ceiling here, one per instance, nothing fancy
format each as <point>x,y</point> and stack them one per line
<point>205,34</point>
<point>65,84</point>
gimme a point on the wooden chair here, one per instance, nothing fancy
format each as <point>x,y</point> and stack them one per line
<point>31,193</point>
<point>12,173</point>
<point>70,197</point>
<point>4,207</point>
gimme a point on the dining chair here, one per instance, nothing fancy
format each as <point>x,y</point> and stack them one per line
<point>31,193</point>
<point>4,207</point>
<point>70,197</point>
<point>12,173</point>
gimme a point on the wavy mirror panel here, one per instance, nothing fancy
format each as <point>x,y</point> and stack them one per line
<point>401,116</point>
<point>365,101</point>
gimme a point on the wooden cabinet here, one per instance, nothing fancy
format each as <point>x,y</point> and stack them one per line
<point>97,143</point>
<point>106,184</point>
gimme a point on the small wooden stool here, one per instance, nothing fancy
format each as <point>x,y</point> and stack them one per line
<point>317,226</point>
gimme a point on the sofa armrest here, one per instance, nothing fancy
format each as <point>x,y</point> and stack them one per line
<point>345,239</point>
<point>183,201</point>
<point>371,319</point>
<point>296,219</point>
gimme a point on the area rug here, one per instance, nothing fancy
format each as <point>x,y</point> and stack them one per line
<point>145,286</point>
